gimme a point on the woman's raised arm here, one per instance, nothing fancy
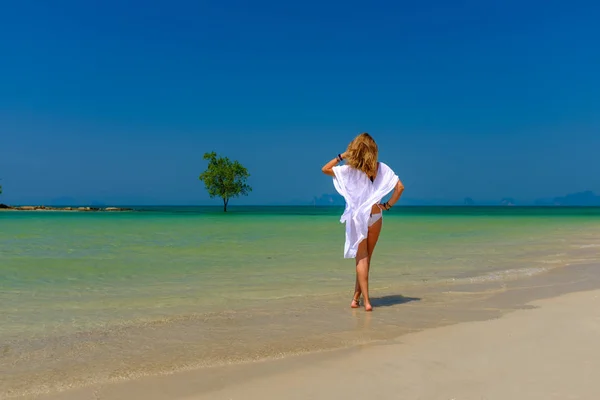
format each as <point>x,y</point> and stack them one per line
<point>395,196</point>
<point>328,168</point>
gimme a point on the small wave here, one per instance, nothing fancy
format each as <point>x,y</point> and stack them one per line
<point>552,261</point>
<point>587,246</point>
<point>498,276</point>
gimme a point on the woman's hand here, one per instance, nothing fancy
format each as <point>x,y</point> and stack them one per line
<point>381,206</point>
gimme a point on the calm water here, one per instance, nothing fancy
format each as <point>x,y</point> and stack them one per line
<point>196,274</point>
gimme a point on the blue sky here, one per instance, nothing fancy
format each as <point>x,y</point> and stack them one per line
<point>117,101</point>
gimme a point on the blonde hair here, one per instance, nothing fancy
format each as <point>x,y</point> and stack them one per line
<point>362,154</point>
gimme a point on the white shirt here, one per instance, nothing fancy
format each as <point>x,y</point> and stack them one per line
<point>360,195</point>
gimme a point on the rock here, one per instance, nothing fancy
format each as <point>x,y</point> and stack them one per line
<point>46,208</point>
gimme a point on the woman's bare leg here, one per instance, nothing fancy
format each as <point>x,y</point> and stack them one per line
<point>371,241</point>
<point>355,300</point>
<point>373,237</point>
<point>362,273</point>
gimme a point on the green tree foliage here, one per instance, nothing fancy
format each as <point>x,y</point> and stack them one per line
<point>224,178</point>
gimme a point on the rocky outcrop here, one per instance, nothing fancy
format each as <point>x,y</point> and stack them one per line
<point>44,208</point>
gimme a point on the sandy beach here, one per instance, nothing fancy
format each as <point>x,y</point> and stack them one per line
<point>547,350</point>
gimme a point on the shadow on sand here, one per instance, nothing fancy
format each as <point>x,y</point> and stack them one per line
<point>391,300</point>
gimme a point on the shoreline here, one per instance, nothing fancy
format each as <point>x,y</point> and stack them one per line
<point>182,384</point>
<point>548,349</point>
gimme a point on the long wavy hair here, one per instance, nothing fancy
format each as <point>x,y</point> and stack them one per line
<point>362,154</point>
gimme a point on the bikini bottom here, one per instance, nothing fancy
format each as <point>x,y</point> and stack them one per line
<point>374,218</point>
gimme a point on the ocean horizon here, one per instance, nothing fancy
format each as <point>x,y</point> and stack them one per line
<point>264,207</point>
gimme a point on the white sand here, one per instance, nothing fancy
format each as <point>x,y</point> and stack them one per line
<point>550,352</point>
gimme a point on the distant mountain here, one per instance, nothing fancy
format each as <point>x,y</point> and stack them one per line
<point>412,201</point>
<point>507,201</point>
<point>333,199</point>
<point>587,198</point>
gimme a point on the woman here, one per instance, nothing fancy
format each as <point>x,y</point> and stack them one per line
<point>363,182</point>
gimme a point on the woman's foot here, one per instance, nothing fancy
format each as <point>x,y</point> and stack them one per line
<point>355,303</point>
<point>368,307</point>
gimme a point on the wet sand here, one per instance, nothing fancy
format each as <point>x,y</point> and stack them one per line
<point>549,352</point>
<point>534,339</point>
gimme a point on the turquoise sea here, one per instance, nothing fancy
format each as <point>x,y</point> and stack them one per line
<point>90,297</point>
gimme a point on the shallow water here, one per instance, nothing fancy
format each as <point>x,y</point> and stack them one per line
<point>162,289</point>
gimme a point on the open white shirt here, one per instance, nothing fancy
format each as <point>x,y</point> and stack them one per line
<point>360,195</point>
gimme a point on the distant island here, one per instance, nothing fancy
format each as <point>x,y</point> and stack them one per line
<point>45,208</point>
<point>587,198</point>
<point>581,199</point>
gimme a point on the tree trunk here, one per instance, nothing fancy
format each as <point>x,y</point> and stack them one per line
<point>225,201</point>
